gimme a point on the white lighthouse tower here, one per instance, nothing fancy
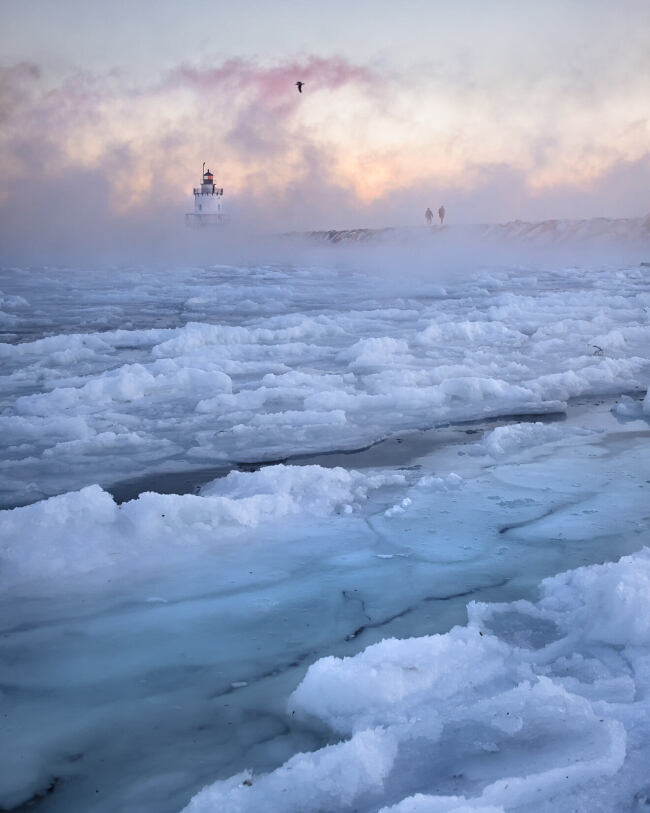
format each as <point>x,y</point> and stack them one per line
<point>208,203</point>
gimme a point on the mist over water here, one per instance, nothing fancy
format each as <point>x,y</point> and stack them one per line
<point>409,252</point>
<point>71,215</point>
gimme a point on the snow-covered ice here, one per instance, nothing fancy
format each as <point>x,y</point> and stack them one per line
<point>340,491</point>
<point>269,364</point>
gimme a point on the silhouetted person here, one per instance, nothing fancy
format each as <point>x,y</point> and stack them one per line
<point>441,214</point>
<point>429,216</point>
<point>299,86</point>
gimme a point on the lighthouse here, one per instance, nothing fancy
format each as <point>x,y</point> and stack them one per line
<point>208,203</point>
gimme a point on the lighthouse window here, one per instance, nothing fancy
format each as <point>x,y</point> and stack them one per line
<point>200,207</point>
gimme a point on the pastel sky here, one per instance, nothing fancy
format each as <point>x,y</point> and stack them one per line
<point>501,109</point>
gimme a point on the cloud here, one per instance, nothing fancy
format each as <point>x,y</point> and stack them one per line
<point>99,156</point>
<point>15,83</point>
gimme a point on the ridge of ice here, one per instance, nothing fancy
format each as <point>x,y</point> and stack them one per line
<point>530,706</point>
<point>78,532</point>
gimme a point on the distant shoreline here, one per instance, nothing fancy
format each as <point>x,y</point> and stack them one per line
<point>545,232</point>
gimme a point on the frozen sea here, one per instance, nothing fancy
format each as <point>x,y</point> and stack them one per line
<point>326,535</point>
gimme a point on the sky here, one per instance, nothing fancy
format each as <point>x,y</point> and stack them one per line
<point>500,109</point>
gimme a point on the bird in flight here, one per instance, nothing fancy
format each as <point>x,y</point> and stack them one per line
<point>299,86</point>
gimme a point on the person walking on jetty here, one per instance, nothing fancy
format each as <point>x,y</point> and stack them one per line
<point>441,214</point>
<point>429,216</point>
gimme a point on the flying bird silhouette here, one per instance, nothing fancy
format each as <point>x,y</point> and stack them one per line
<point>299,86</point>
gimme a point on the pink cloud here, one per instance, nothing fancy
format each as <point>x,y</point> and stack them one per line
<point>276,84</point>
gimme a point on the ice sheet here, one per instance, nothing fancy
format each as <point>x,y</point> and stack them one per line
<point>228,366</point>
<point>168,662</point>
<point>150,648</point>
<point>532,705</point>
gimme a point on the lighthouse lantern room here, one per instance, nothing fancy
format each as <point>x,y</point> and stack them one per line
<point>208,203</point>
